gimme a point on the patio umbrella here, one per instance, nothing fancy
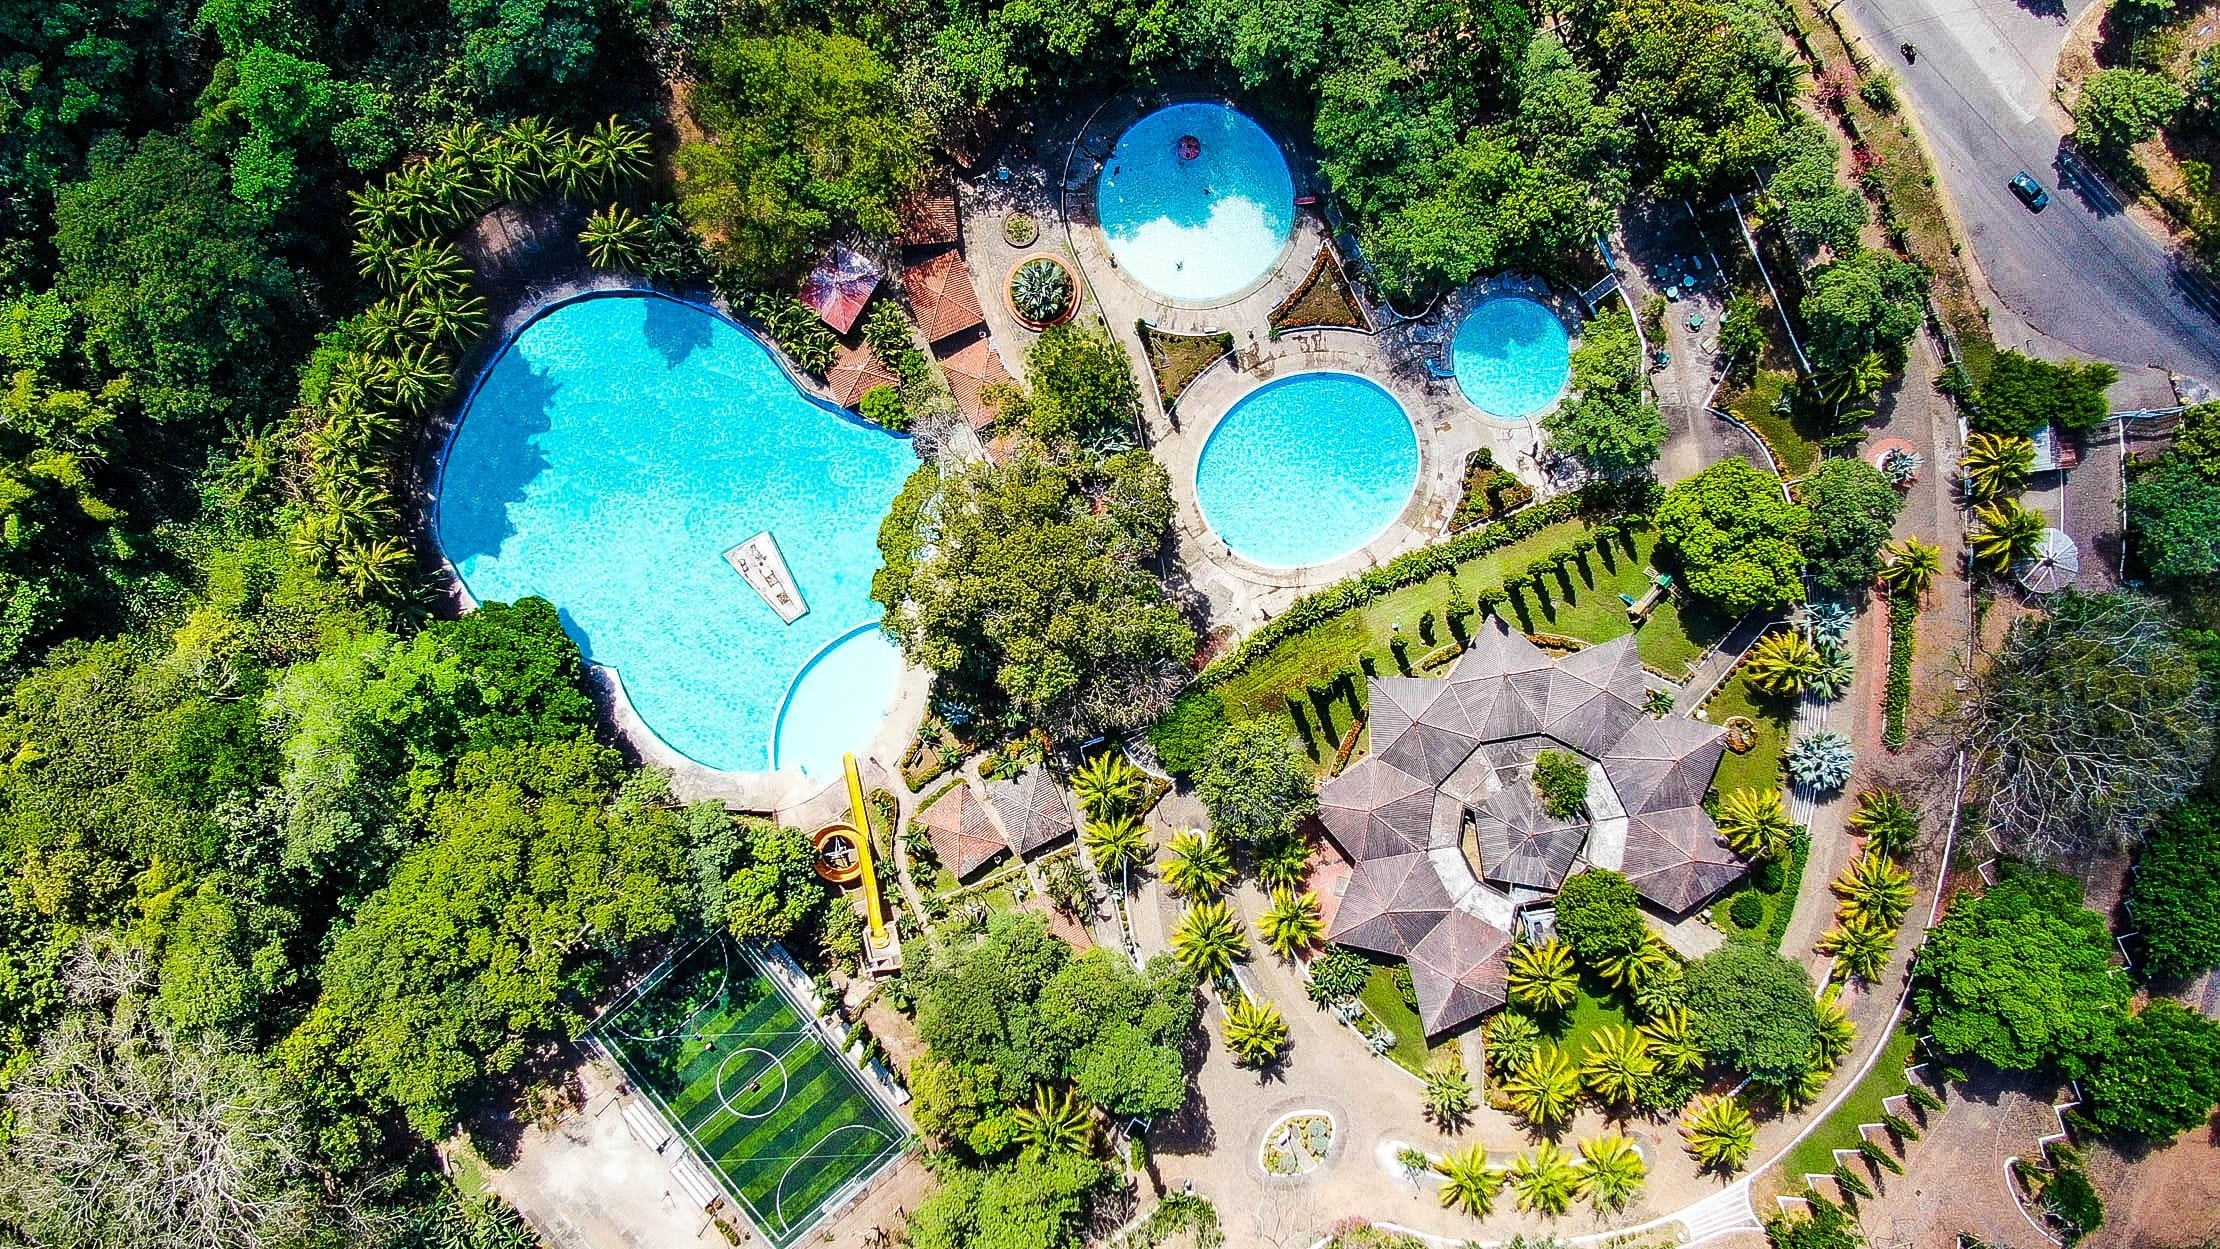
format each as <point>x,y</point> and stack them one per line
<point>2056,564</point>
<point>839,287</point>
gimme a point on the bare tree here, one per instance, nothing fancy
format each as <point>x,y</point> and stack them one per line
<point>2090,724</point>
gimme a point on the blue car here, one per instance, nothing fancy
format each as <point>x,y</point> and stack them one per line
<point>2030,191</point>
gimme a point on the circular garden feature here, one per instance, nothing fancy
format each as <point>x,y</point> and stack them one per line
<point>1297,1143</point>
<point>1019,229</point>
<point>1041,292</point>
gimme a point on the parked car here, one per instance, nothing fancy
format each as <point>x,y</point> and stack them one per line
<point>2030,191</point>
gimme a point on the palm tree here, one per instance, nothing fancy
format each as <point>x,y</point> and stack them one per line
<point>1284,862</point>
<point>1545,1181</point>
<point>1612,1171</point>
<point>1254,1031</point>
<point>616,238</point>
<point>1512,1041</point>
<point>1996,465</point>
<point>1836,1033</point>
<point>422,268</point>
<point>410,378</point>
<point>374,569</point>
<point>1782,662</point>
<point>1209,940</point>
<point>1117,844</point>
<point>1853,379</point>
<point>1672,1037</point>
<point>1468,1183</point>
<point>377,257</point>
<point>1874,887</point>
<point>1055,1122</point>
<point>1543,976</point>
<point>1290,924</point>
<point>1860,948</point>
<point>619,154</point>
<point>1546,1090</point>
<point>1448,1094</point>
<point>527,143</point>
<point>1615,1063</point>
<point>1638,966</point>
<point>2007,533</point>
<point>1910,566</point>
<point>376,211</point>
<point>1199,866</point>
<point>389,325</point>
<point>1888,822</point>
<point>1107,785</point>
<point>1755,823</point>
<point>571,166</point>
<point>1719,1132</point>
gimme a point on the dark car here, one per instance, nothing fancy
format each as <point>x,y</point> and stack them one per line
<point>2030,191</point>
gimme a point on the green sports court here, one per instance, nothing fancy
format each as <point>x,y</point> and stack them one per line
<point>783,1122</point>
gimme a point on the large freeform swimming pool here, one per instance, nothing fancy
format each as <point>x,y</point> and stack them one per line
<point>616,449</point>
<point>1196,202</point>
<point>1307,468</point>
<point>1511,356</point>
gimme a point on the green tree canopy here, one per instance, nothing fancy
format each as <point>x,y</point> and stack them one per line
<point>1598,916</point>
<point>2174,513</point>
<point>1034,1202</point>
<point>1754,1011</point>
<point>1734,537</point>
<point>2174,894</point>
<point>2021,976</point>
<point>1853,507</point>
<point>2120,108</point>
<point>1817,209</point>
<point>1255,784</point>
<point>1867,301</point>
<point>1082,388</point>
<point>2161,1075</point>
<point>1610,424</point>
<point>2024,394</point>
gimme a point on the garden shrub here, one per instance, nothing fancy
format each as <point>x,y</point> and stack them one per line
<point>1896,703</point>
<point>1747,910</point>
<point>1184,736</point>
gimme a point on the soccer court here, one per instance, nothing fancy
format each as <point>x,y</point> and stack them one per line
<point>781,1119</point>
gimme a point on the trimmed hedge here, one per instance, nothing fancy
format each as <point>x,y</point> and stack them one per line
<point>1413,567</point>
<point>1897,702</point>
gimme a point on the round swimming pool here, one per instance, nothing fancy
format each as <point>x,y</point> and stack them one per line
<point>615,450</point>
<point>1196,202</point>
<point>1511,356</point>
<point>1307,468</point>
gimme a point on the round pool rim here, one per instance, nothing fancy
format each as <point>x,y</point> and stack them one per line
<point>627,713</point>
<point>1564,384</point>
<point>794,684</point>
<point>1093,192</point>
<point>1418,468</point>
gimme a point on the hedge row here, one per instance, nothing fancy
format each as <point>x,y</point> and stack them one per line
<point>1413,567</point>
<point>1903,613</point>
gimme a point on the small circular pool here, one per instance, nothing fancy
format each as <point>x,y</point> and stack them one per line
<point>1307,468</point>
<point>1512,357</point>
<point>837,701</point>
<point>1196,202</point>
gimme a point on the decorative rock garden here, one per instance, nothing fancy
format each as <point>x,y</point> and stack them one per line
<point>1298,1143</point>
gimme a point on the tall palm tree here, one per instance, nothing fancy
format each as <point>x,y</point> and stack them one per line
<point>1910,566</point>
<point>1468,1183</point>
<point>1860,948</point>
<point>1255,1032</point>
<point>1782,662</point>
<point>1284,862</point>
<point>1199,866</point>
<point>531,143</point>
<point>1850,380</point>
<point>1638,966</point>
<point>390,325</point>
<point>1107,785</point>
<point>1209,940</point>
<point>1543,976</point>
<point>1612,1171</point>
<point>1719,1132</point>
<point>454,315</point>
<point>1615,1063</point>
<point>376,211</point>
<point>1545,1181</point>
<point>377,258</point>
<point>571,166</point>
<point>1291,923</point>
<point>1056,1122</point>
<point>1546,1091</point>
<point>1755,823</point>
<point>1874,887</point>
<point>410,378</point>
<point>622,153</point>
<point>1887,820</point>
<point>1117,844</point>
<point>1996,465</point>
<point>422,268</point>
<point>1672,1037</point>
<point>616,238</point>
<point>1512,1041</point>
<point>2007,532</point>
<point>1836,1033</point>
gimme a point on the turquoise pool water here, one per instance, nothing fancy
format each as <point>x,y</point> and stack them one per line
<point>614,451</point>
<point>1306,468</point>
<point>1196,229</point>
<point>1511,356</point>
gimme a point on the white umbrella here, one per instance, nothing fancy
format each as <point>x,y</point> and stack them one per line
<point>2056,564</point>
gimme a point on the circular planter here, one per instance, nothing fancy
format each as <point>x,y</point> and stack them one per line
<point>1742,734</point>
<point>1019,229</point>
<point>1071,286</point>
<point>1297,1144</point>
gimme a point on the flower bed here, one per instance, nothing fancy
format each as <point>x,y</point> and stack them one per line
<point>1323,300</point>
<point>1490,492</point>
<point>1178,359</point>
<point>1897,701</point>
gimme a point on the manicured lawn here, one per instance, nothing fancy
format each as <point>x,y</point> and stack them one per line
<point>1840,1129</point>
<point>1761,767</point>
<point>1797,447</point>
<point>1385,1001</point>
<point>1779,903</point>
<point>1596,1008</point>
<point>1583,603</point>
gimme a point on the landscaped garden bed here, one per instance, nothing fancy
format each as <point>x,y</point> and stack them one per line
<point>1760,766</point>
<point>1490,492</point>
<point>1761,405</point>
<point>1297,1144</point>
<point>1323,300</point>
<point>1815,1155</point>
<point>1383,995</point>
<point>1176,360</point>
<point>1757,910</point>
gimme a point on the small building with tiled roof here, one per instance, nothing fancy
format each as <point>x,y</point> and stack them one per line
<point>964,837</point>
<point>973,370</point>
<point>940,293</point>
<point>1032,809</point>
<point>928,215</point>
<point>857,371</point>
<point>1448,838</point>
<point>840,287</point>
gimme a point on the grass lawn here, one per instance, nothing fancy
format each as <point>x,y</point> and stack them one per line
<point>1596,1008</point>
<point>1385,1001</point>
<point>1840,1129</point>
<point>1797,446</point>
<point>1761,767</point>
<point>1779,903</point>
<point>1583,604</point>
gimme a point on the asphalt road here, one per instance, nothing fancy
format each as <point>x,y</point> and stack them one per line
<point>2082,271</point>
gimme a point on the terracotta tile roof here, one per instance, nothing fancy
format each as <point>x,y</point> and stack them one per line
<point>971,372</point>
<point>840,286</point>
<point>963,838</point>
<point>1032,808</point>
<point>928,214</point>
<point>854,373</point>
<point>940,292</point>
